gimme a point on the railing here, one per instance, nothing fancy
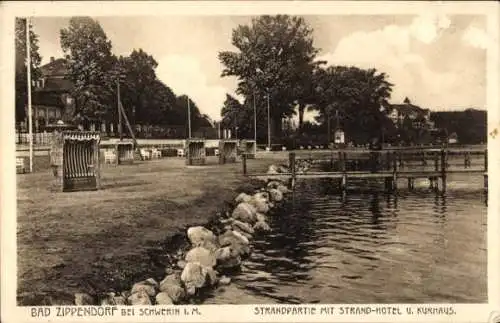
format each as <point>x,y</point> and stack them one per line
<point>387,164</point>
<point>39,138</point>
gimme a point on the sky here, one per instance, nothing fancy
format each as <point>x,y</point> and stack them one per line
<point>438,62</point>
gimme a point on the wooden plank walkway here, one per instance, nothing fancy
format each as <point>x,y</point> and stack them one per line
<point>361,174</point>
<point>386,165</point>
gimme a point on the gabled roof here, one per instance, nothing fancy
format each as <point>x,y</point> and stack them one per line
<point>57,67</point>
<point>407,108</point>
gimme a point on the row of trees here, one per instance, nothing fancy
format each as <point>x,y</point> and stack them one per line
<point>277,61</point>
<point>95,73</point>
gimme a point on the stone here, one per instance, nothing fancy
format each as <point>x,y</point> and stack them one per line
<point>236,241</point>
<point>228,257</point>
<point>283,189</point>
<point>84,299</point>
<point>276,195</point>
<point>172,279</point>
<point>242,197</point>
<point>244,212</point>
<point>259,202</point>
<point>139,298</point>
<point>272,169</point>
<point>193,276</point>
<point>283,169</point>
<point>241,237</point>
<point>212,277</point>
<point>261,218</point>
<point>198,235</point>
<point>181,264</point>
<point>119,300</point>
<point>224,280</point>
<point>149,286</point>
<point>113,299</point>
<point>245,227</point>
<point>175,291</point>
<point>172,285</point>
<point>163,299</point>
<point>262,226</point>
<point>243,233</point>
<point>263,195</point>
<point>201,255</point>
<point>273,184</point>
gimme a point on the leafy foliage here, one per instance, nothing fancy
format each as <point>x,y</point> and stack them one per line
<point>21,65</point>
<point>357,96</point>
<point>90,66</point>
<point>275,55</point>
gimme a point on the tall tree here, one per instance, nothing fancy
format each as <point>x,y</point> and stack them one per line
<point>90,67</point>
<point>21,65</point>
<point>137,80</point>
<point>358,96</point>
<point>275,55</point>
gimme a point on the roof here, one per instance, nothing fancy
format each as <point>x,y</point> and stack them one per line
<point>57,67</point>
<point>407,108</point>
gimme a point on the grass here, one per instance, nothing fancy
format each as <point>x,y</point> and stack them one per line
<point>106,240</point>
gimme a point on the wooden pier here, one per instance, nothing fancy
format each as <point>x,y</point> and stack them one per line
<point>388,164</point>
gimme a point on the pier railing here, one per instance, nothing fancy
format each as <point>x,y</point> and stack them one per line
<point>387,164</point>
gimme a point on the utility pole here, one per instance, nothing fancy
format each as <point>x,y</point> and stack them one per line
<point>30,113</point>
<point>120,130</point>
<point>268,123</point>
<point>254,118</point>
<point>189,117</point>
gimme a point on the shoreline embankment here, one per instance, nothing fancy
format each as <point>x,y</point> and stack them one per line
<point>124,247</point>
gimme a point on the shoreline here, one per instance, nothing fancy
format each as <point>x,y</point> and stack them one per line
<point>117,272</point>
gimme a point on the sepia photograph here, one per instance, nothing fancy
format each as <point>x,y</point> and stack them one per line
<point>256,158</point>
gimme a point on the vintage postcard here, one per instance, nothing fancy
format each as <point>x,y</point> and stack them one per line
<point>234,161</point>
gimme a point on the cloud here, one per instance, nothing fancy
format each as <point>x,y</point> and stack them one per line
<point>389,50</point>
<point>184,75</point>
<point>476,37</point>
<point>427,27</point>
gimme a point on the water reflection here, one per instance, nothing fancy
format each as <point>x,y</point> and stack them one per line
<point>369,247</point>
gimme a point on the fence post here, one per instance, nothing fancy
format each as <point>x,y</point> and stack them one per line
<point>485,174</point>
<point>485,160</point>
<point>291,164</point>
<point>244,162</point>
<point>443,170</point>
<point>394,171</point>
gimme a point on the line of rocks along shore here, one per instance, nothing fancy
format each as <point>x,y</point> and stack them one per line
<point>214,255</point>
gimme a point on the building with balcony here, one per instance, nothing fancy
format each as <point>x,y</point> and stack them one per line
<point>420,118</point>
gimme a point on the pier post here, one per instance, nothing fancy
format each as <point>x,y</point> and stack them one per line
<point>411,183</point>
<point>485,160</point>
<point>244,162</point>
<point>291,163</point>
<point>485,175</point>
<point>395,171</point>
<point>343,181</point>
<point>443,170</point>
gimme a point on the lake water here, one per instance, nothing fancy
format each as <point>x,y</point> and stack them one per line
<point>416,247</point>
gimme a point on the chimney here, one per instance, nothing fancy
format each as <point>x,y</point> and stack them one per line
<point>52,59</point>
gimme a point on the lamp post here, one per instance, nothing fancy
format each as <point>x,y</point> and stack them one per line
<point>268,122</point>
<point>189,117</point>
<point>254,119</point>
<point>28,73</point>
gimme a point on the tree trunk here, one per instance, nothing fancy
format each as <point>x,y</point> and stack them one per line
<point>301,116</point>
